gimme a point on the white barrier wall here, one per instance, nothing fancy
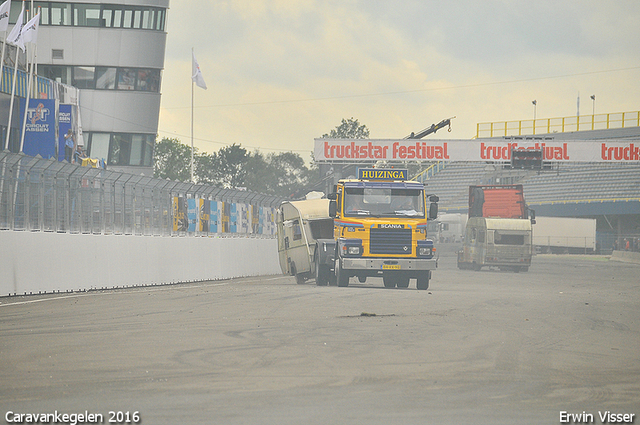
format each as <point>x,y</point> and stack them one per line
<point>626,256</point>
<point>33,262</point>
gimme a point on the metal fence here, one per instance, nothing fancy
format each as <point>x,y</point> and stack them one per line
<point>46,195</point>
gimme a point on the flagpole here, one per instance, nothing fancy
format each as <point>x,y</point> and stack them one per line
<point>192,126</point>
<point>196,77</point>
<point>26,102</point>
<point>7,5</point>
<point>4,45</point>
<point>18,26</point>
<point>192,132</point>
<point>13,92</point>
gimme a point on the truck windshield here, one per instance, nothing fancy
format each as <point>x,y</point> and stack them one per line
<point>502,239</point>
<point>384,202</point>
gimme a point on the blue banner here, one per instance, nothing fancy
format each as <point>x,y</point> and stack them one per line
<point>233,219</point>
<point>64,125</point>
<point>192,215</point>
<point>213,220</point>
<point>40,131</point>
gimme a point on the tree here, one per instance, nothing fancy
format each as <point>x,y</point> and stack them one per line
<point>348,129</point>
<point>229,169</point>
<point>283,174</point>
<point>292,173</point>
<point>172,160</point>
<point>205,170</point>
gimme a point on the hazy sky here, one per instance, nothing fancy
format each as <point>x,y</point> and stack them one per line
<point>282,72</point>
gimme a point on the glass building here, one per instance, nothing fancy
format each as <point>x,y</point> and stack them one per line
<point>114,53</point>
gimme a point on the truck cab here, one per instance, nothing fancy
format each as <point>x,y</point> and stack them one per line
<point>498,231</point>
<point>504,243</point>
<point>380,229</point>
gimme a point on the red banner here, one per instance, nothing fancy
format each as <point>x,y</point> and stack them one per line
<point>365,150</point>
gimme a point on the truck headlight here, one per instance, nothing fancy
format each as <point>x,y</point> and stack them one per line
<point>353,250</point>
<point>424,250</point>
<point>350,247</point>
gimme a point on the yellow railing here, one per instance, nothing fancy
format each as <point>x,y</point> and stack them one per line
<point>429,172</point>
<point>558,125</point>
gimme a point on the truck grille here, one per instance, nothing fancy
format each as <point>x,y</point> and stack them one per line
<point>390,241</point>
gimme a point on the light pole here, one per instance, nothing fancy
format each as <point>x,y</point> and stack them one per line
<point>535,105</point>
<point>593,112</point>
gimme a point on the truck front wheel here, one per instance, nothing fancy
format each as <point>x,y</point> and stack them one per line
<point>322,273</point>
<point>341,277</point>
<point>423,281</point>
<point>402,281</point>
<point>389,280</point>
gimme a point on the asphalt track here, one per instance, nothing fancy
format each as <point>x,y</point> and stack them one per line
<point>485,347</point>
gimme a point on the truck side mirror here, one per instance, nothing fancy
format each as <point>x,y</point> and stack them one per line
<point>532,216</point>
<point>433,211</point>
<point>333,196</point>
<point>333,208</point>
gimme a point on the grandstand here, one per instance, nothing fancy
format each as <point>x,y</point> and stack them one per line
<point>451,184</point>
<point>608,192</point>
<point>608,188</point>
<point>562,185</point>
<point>585,183</point>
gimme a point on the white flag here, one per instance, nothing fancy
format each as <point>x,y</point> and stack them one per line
<point>15,36</point>
<point>30,30</point>
<point>196,75</point>
<point>4,15</point>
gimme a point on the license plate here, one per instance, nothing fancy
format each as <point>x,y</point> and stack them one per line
<point>391,267</point>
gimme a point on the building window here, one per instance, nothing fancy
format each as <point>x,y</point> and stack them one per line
<point>148,80</point>
<point>117,18</point>
<point>44,12</point>
<point>84,77</point>
<point>147,154</point>
<point>160,21</point>
<point>107,17</point>
<point>105,78</point>
<point>98,145</point>
<point>126,79</point>
<point>96,15</point>
<point>137,148</point>
<point>127,16</point>
<point>61,74</point>
<point>137,18</point>
<point>61,14</point>
<point>147,19</point>
<point>121,148</point>
<point>86,15</point>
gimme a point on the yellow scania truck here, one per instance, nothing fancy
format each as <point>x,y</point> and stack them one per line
<point>379,230</point>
